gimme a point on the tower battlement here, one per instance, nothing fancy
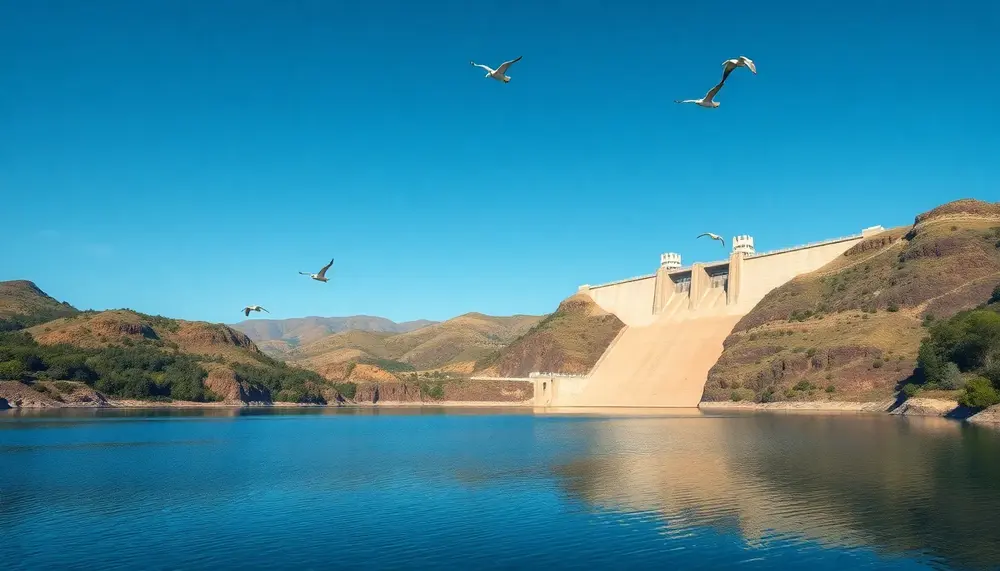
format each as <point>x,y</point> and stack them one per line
<point>670,260</point>
<point>743,243</point>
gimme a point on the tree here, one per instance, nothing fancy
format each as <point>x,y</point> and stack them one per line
<point>979,393</point>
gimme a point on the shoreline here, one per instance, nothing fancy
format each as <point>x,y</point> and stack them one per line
<point>915,406</point>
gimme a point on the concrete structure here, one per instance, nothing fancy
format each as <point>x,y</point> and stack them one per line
<point>676,320</point>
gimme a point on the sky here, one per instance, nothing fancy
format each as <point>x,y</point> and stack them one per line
<point>190,157</point>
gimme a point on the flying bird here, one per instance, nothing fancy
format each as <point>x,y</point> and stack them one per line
<point>714,237</point>
<point>730,64</point>
<point>707,100</point>
<point>249,308</point>
<point>499,73</point>
<point>321,276</point>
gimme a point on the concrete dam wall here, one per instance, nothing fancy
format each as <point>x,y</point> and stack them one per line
<point>676,320</point>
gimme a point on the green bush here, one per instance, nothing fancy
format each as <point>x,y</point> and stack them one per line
<point>11,370</point>
<point>951,377</point>
<point>831,389</point>
<point>347,390</point>
<point>804,385</point>
<point>911,389</point>
<point>979,393</point>
<point>433,389</point>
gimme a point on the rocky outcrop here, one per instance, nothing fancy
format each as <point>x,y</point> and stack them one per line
<point>222,382</point>
<point>47,394</point>
<point>928,407</point>
<point>398,391</point>
<point>454,390</point>
<point>195,334</point>
<point>989,416</point>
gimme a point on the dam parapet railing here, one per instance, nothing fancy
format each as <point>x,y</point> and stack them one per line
<point>806,245</point>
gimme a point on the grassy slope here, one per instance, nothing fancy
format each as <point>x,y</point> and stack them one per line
<point>456,343</point>
<point>855,325</point>
<point>570,340</point>
<point>22,304</point>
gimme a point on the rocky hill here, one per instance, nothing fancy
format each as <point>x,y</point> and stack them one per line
<point>88,357</point>
<point>852,330</point>
<point>453,345</point>
<point>22,305</point>
<point>570,340</point>
<point>278,336</point>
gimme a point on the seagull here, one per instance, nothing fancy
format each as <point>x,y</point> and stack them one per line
<point>714,237</point>
<point>321,276</point>
<point>249,308</point>
<point>707,100</point>
<point>498,73</point>
<point>730,64</point>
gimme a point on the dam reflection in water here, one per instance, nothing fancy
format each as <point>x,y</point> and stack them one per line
<point>425,488</point>
<point>923,488</point>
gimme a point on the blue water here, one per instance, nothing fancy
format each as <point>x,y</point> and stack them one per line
<point>479,489</point>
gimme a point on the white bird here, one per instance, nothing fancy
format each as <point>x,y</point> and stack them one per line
<point>499,73</point>
<point>707,100</point>
<point>321,276</point>
<point>730,64</point>
<point>249,308</point>
<point>714,237</point>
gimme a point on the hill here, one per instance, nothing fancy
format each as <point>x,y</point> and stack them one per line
<point>852,330</point>
<point>22,305</point>
<point>453,345</point>
<point>570,340</point>
<point>278,336</point>
<point>87,356</point>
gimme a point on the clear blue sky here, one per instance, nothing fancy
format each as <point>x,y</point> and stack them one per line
<point>188,157</point>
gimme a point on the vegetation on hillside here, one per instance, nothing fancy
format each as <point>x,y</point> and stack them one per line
<point>963,352</point>
<point>569,340</point>
<point>127,354</point>
<point>852,330</point>
<point>23,305</point>
<point>139,371</point>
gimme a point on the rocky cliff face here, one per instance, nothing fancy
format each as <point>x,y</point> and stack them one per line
<point>443,391</point>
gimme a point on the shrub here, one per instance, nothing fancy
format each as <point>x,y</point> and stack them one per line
<point>877,364</point>
<point>951,378</point>
<point>831,389</point>
<point>346,390</point>
<point>11,370</point>
<point>911,389</point>
<point>995,298</point>
<point>892,307</point>
<point>803,385</point>
<point>979,393</point>
<point>741,395</point>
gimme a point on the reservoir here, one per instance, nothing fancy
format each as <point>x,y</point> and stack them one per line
<point>424,488</point>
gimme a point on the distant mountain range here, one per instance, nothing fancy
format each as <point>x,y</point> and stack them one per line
<point>278,336</point>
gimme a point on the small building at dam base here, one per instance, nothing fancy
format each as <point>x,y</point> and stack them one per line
<point>676,320</point>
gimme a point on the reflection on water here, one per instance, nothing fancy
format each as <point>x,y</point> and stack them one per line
<point>429,487</point>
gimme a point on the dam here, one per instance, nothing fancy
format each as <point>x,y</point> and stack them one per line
<point>675,322</point>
